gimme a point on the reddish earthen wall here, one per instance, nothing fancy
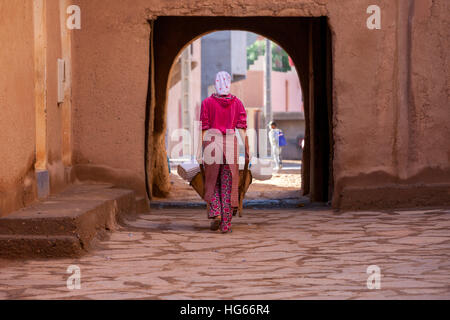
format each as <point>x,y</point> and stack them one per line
<point>17,122</point>
<point>55,166</point>
<point>110,66</point>
<point>18,91</point>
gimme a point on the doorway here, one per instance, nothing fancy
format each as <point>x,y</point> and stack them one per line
<point>306,40</point>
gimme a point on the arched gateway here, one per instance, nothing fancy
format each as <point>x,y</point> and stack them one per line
<point>307,41</point>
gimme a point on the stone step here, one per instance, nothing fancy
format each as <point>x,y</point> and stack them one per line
<point>142,205</point>
<point>39,246</point>
<point>66,223</point>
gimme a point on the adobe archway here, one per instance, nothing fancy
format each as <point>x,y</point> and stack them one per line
<point>306,40</point>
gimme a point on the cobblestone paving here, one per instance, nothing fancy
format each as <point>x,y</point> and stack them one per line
<point>271,254</point>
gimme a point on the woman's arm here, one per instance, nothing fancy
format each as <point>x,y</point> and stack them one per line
<point>243,134</point>
<point>205,124</point>
<point>199,156</point>
<point>242,127</point>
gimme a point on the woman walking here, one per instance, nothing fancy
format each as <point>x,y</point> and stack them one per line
<point>221,114</point>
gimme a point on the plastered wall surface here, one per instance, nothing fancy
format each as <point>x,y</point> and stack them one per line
<point>17,122</point>
<point>19,60</point>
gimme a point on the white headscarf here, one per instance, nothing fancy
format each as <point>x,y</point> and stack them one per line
<point>223,83</point>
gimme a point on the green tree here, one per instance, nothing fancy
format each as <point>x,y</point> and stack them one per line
<point>280,59</point>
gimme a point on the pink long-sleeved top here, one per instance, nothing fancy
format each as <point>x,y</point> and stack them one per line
<point>223,113</point>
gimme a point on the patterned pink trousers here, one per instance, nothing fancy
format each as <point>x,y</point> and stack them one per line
<point>221,201</point>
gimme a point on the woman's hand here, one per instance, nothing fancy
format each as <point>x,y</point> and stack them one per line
<point>199,156</point>
<point>248,156</point>
<point>244,137</point>
<point>247,150</point>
